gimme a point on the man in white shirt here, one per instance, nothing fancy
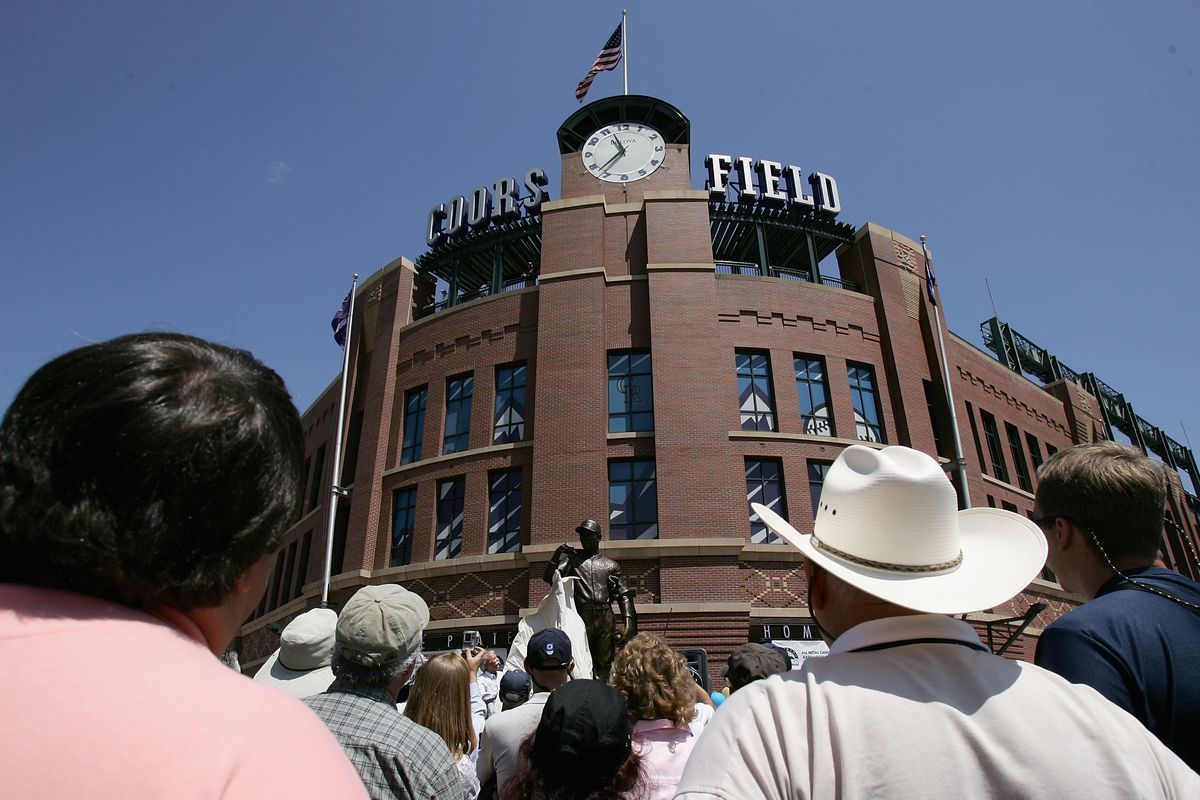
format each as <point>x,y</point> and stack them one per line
<point>549,664</point>
<point>909,703</point>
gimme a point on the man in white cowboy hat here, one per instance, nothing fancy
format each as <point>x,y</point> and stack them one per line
<point>301,665</point>
<point>909,703</point>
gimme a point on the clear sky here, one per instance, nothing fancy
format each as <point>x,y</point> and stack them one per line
<point>222,168</point>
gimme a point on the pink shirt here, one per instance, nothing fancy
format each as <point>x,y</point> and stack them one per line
<point>664,750</point>
<point>101,700</point>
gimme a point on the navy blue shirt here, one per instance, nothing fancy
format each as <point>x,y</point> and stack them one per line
<point>1139,650</point>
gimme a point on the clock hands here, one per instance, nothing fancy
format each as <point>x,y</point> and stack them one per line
<point>620,152</point>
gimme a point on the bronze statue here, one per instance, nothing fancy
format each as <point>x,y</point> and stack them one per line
<point>600,584</point>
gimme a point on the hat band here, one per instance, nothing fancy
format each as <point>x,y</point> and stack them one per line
<point>945,566</point>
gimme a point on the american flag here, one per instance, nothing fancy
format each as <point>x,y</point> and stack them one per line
<point>610,56</point>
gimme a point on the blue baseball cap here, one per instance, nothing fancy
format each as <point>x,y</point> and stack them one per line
<point>549,648</point>
<point>515,686</point>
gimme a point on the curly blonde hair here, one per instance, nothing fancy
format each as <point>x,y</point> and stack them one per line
<point>654,681</point>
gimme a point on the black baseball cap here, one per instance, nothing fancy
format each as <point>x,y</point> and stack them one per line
<point>584,734</point>
<point>549,648</point>
<point>515,686</point>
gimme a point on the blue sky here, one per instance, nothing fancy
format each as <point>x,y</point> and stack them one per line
<point>222,168</point>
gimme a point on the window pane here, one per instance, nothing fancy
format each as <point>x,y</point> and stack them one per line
<point>764,485</point>
<point>632,500</point>
<point>995,450</point>
<point>1018,454</point>
<point>630,392</point>
<point>450,518</point>
<point>813,392</point>
<point>504,512</point>
<point>458,414</point>
<point>867,413</point>
<point>414,425</point>
<point>404,511</point>
<point>756,400</point>
<point>509,419</point>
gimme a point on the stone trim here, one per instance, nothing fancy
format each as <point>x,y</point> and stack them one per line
<point>451,457</point>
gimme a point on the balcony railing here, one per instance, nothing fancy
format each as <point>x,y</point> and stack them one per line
<point>784,273</point>
<point>510,285</point>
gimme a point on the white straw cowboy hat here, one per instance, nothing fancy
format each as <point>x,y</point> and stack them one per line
<point>888,523</point>
<point>301,665</point>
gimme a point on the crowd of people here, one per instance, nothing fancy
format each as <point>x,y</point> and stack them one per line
<point>145,485</point>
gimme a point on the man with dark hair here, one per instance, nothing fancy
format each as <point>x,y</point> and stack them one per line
<point>378,640</point>
<point>145,485</point>
<point>1137,639</point>
<point>753,662</point>
<point>549,664</point>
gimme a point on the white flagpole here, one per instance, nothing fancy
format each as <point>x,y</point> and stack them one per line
<point>625,47</point>
<point>336,492</point>
<point>960,463</point>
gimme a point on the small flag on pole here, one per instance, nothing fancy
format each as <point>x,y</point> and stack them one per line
<point>610,56</point>
<point>930,280</point>
<point>340,320</point>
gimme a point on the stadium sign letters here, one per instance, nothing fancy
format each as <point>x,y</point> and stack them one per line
<point>498,203</point>
<point>777,185</point>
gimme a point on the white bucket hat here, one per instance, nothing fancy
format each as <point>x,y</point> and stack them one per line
<point>888,523</point>
<point>301,665</point>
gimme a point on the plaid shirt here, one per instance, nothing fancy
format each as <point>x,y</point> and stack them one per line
<point>394,756</point>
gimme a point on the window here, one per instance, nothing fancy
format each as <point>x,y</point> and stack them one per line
<point>449,518</point>
<point>458,413</point>
<point>414,425</point>
<point>975,435</point>
<point>932,406</point>
<point>504,511</point>
<point>816,479</point>
<point>1018,454</point>
<point>1007,506</point>
<point>302,573</point>
<point>404,513</point>
<point>630,393</point>
<point>509,424</point>
<point>757,401</point>
<point>632,500</point>
<point>999,470</point>
<point>314,490</point>
<point>814,396</point>
<point>1035,452</point>
<point>867,413</point>
<point>764,485</point>
<point>1050,450</point>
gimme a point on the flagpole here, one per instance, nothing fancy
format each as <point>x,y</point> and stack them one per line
<point>960,463</point>
<point>337,492</point>
<point>625,44</point>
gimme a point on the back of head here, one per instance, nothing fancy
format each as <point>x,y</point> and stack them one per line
<point>440,700</point>
<point>151,469</point>
<point>582,747</point>
<point>654,681</point>
<point>1112,490</point>
<point>752,662</point>
<point>379,635</point>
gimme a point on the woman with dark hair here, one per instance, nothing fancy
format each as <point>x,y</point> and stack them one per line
<point>445,699</point>
<point>661,694</point>
<point>582,749</point>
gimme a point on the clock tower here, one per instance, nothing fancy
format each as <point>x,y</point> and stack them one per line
<point>627,267</point>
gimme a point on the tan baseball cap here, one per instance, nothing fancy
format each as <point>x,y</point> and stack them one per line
<point>381,624</point>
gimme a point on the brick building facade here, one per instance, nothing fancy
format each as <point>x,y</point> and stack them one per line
<point>645,377</point>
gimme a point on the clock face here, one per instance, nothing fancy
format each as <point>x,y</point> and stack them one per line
<point>623,152</point>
